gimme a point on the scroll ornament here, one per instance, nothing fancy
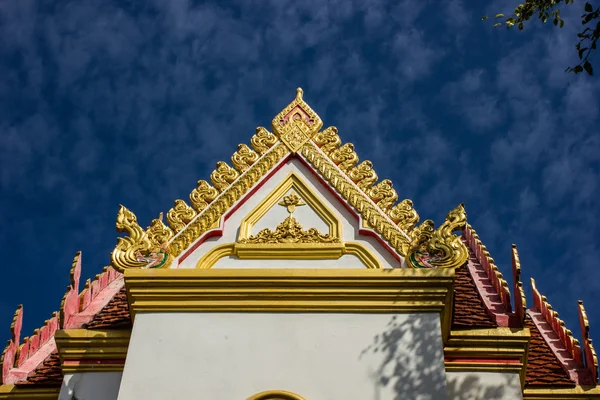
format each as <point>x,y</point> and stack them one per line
<point>180,215</point>
<point>140,249</point>
<point>404,215</point>
<point>383,194</point>
<point>344,157</point>
<point>363,175</point>
<point>243,158</point>
<point>223,176</point>
<point>328,140</point>
<point>262,140</point>
<point>439,248</point>
<point>203,195</point>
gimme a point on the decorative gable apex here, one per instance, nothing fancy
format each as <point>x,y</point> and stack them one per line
<point>296,134</point>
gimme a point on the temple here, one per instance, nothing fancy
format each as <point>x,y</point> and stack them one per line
<point>294,273</point>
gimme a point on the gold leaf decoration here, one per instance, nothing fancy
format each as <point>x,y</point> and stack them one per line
<point>383,194</point>
<point>289,231</point>
<point>399,240</point>
<point>136,250</point>
<point>180,215</point>
<point>297,123</point>
<point>404,215</point>
<point>223,176</point>
<point>243,158</point>
<point>443,249</point>
<point>229,196</point>
<point>344,157</point>
<point>328,140</point>
<point>158,232</point>
<point>203,195</point>
<point>363,175</point>
<point>262,140</point>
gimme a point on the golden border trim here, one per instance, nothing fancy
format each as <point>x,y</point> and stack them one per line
<point>12,392</point>
<point>276,395</point>
<point>497,343</point>
<point>78,345</point>
<point>290,251</point>
<point>292,181</point>
<point>578,393</point>
<point>292,290</point>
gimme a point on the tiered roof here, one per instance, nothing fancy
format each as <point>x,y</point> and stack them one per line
<point>554,362</point>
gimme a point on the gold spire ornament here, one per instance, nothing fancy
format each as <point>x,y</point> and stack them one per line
<point>297,123</point>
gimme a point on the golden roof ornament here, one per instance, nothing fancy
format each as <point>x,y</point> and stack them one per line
<point>295,129</point>
<point>290,230</point>
<point>297,123</point>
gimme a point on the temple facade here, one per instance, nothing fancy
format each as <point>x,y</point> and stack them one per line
<point>294,273</point>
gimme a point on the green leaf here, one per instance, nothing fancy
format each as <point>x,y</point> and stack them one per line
<point>593,45</point>
<point>562,23</point>
<point>588,7</point>
<point>484,18</point>
<point>555,21</point>
<point>499,16</point>
<point>497,24</point>
<point>581,52</point>
<point>520,26</point>
<point>588,68</point>
<point>578,69</point>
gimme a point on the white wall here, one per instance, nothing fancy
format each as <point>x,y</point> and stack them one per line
<point>90,386</point>
<point>484,385</point>
<point>231,356</point>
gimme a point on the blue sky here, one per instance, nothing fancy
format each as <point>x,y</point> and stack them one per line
<point>109,102</point>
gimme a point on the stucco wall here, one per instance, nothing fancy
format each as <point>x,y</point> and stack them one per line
<point>90,386</point>
<point>226,356</point>
<point>483,385</point>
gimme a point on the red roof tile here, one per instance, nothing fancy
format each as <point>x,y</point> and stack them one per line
<point>115,315</point>
<point>469,311</point>
<point>543,368</point>
<point>49,373</point>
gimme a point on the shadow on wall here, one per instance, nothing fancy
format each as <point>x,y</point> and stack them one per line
<point>412,364</point>
<point>470,386</point>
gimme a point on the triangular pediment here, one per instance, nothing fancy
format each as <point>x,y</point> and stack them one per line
<point>320,160</point>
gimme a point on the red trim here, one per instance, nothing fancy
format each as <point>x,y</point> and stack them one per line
<point>483,360</point>
<point>361,231</point>
<point>219,231</point>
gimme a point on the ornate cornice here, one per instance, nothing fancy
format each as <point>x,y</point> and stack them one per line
<point>488,350</point>
<point>83,350</point>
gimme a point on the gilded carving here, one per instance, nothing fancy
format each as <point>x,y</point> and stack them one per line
<point>207,218</point>
<point>404,215</point>
<point>223,176</point>
<point>290,230</point>
<point>243,158</point>
<point>383,194</point>
<point>158,232</point>
<point>344,157</point>
<point>203,195</point>
<point>297,123</point>
<point>357,198</point>
<point>180,215</point>
<point>363,175</point>
<point>136,250</point>
<point>443,249</point>
<point>262,140</point>
<point>328,140</point>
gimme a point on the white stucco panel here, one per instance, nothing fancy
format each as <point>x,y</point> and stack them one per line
<point>90,386</point>
<point>231,356</point>
<point>305,215</point>
<point>484,385</point>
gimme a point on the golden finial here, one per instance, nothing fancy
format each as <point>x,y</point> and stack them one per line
<point>292,201</point>
<point>299,93</point>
